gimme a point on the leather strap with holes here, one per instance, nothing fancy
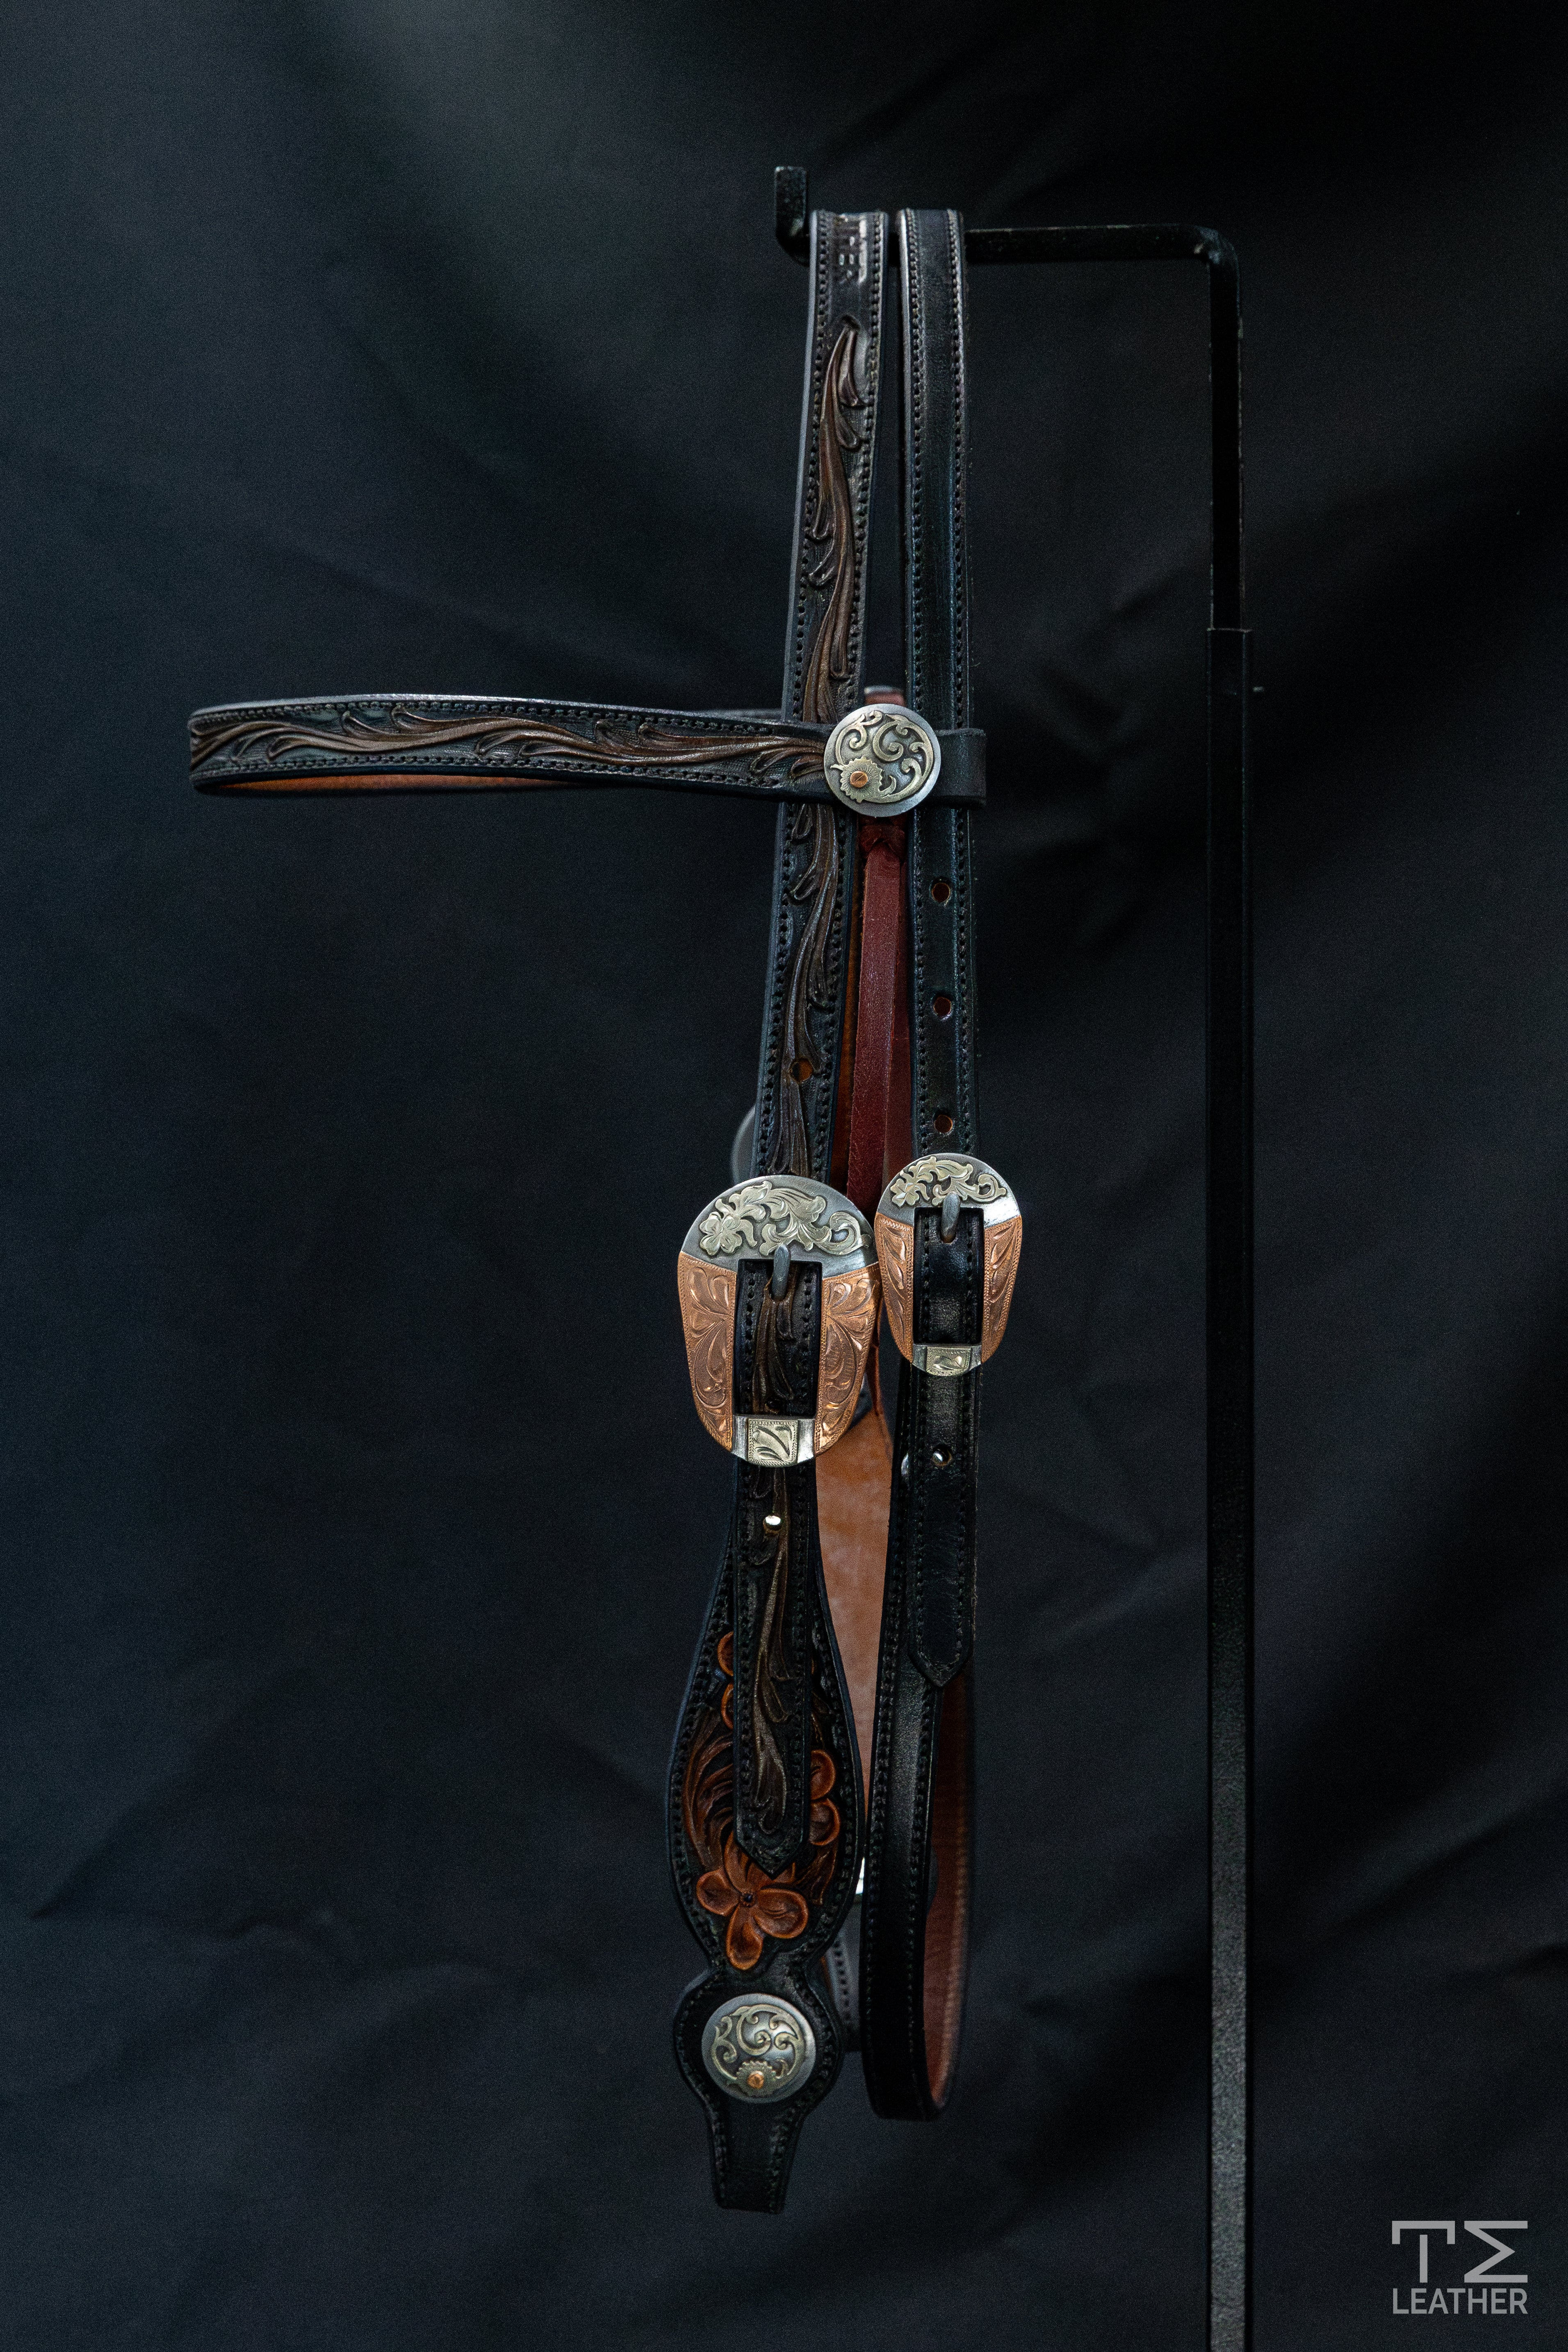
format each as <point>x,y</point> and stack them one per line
<point>914,1928</point>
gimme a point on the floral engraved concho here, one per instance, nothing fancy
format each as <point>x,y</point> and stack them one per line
<point>759,2050</point>
<point>754,1218</point>
<point>925,1183</point>
<point>881,759</point>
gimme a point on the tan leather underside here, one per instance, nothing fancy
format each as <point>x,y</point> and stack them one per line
<point>947,1924</point>
<point>854,1486</point>
<point>414,780</point>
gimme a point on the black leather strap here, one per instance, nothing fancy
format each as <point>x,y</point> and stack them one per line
<point>766,1772</point>
<point>763,1928</point>
<point>914,1927</point>
<point>939,1539</point>
<point>771,1542</point>
<point>469,742</point>
<point>814,868</point>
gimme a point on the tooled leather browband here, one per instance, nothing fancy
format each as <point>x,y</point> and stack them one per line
<point>417,742</point>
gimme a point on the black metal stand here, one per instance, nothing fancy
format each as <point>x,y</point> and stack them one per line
<point>1228,1211</point>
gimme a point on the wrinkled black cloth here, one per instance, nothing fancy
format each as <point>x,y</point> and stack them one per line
<point>356,1520</point>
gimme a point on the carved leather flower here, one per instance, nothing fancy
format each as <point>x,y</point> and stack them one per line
<point>824,1816</point>
<point>752,1904</point>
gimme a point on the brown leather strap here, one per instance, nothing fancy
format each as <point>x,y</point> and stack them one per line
<point>882,849</point>
<point>947,1922</point>
<point>852,1481</point>
<point>855,1482</point>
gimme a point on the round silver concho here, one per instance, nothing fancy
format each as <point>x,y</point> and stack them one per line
<point>881,759</point>
<point>759,2049</point>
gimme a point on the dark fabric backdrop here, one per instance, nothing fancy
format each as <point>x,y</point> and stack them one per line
<point>357,1522</point>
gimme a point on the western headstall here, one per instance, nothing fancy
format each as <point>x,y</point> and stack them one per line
<point>827,1724</point>
<point>819,1789</point>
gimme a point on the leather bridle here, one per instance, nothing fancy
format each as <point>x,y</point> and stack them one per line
<point>828,1720</point>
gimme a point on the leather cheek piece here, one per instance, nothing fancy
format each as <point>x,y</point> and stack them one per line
<point>766,1925</point>
<point>914,1924</point>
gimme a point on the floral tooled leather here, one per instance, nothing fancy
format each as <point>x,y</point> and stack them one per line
<point>754,1906</point>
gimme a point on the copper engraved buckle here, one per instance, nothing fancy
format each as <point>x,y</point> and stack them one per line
<point>784,1222</point>
<point>947,1181</point>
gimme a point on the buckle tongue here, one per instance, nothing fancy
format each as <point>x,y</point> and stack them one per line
<point>783,1221</point>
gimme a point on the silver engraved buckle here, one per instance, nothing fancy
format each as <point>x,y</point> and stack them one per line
<point>785,1222</point>
<point>947,1181</point>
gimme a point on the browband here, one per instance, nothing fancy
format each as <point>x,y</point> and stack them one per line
<point>819,1793</point>
<point>471,742</point>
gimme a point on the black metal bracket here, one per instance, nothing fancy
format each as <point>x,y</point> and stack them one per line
<point>1228,1349</point>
